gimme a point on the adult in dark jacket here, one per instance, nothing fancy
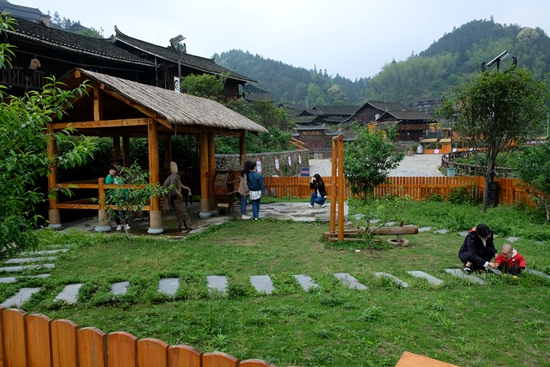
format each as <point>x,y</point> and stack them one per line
<point>478,249</point>
<point>319,194</point>
<point>256,188</point>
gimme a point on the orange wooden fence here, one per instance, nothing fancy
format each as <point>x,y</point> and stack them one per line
<point>510,190</point>
<point>33,340</point>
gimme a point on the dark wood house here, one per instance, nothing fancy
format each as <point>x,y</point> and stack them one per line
<point>166,62</point>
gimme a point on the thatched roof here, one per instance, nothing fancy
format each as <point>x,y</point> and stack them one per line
<point>176,108</point>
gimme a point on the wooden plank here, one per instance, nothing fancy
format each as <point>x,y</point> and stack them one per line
<point>15,342</point>
<point>152,353</point>
<point>409,359</point>
<point>219,359</point>
<point>92,346</point>
<point>100,124</point>
<point>122,349</point>
<point>64,334</point>
<point>184,356</point>
<point>255,363</point>
<point>38,338</point>
<point>394,230</point>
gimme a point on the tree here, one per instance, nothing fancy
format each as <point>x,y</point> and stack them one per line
<point>496,109</point>
<point>534,168</point>
<point>369,158</point>
<point>205,85</point>
<point>127,200</point>
<point>23,155</point>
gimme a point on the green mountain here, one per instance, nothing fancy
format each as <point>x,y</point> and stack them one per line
<point>428,74</point>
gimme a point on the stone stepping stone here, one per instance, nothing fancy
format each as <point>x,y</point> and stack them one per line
<point>350,281</point>
<point>30,259</point>
<point>169,286</point>
<point>14,279</point>
<point>25,267</point>
<point>424,229</point>
<point>460,274</point>
<point>494,271</point>
<point>262,283</point>
<point>120,288</point>
<point>306,282</point>
<point>69,293</point>
<point>45,252</point>
<point>431,279</point>
<point>389,224</point>
<point>442,231</point>
<point>217,282</point>
<point>18,299</point>
<point>376,220</point>
<point>463,233</point>
<point>513,239</point>
<point>395,279</point>
<point>537,272</point>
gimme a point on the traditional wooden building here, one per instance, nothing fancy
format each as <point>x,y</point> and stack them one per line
<point>411,124</point>
<point>166,62</point>
<point>124,109</point>
<point>25,12</point>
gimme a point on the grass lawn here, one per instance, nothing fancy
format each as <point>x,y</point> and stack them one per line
<point>503,323</point>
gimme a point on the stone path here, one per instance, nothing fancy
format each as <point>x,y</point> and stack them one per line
<point>169,286</point>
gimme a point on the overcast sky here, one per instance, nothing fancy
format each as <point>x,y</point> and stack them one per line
<point>353,38</point>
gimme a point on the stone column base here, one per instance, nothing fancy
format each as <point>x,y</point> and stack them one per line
<point>155,222</point>
<point>54,217</point>
<point>205,209</point>
<point>103,219</point>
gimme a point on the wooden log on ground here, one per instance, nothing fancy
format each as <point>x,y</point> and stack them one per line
<point>394,230</point>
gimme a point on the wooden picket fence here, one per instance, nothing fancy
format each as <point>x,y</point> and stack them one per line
<point>33,340</point>
<point>510,190</point>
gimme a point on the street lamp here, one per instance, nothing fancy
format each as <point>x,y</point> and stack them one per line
<point>179,48</point>
<point>504,54</point>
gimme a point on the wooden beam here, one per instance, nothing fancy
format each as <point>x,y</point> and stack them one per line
<point>242,147</point>
<point>153,160</point>
<point>52,177</point>
<point>98,105</point>
<point>126,150</point>
<point>203,156</point>
<point>99,124</point>
<point>165,123</point>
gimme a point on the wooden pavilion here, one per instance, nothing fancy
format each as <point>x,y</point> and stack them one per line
<point>120,108</point>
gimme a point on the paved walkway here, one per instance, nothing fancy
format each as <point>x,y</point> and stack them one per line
<point>418,165</point>
<point>215,283</point>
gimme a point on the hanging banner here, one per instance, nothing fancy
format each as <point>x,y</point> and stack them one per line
<point>259,166</point>
<point>276,163</point>
<point>289,161</point>
<point>299,159</point>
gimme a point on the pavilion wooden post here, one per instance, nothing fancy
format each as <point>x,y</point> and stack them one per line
<point>168,149</point>
<point>126,150</point>
<point>212,177</point>
<point>54,216</point>
<point>337,186</point>
<point>204,176</point>
<point>116,148</point>
<point>155,218</point>
<point>242,147</point>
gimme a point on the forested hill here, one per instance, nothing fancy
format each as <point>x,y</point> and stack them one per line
<point>428,74</point>
<point>293,85</point>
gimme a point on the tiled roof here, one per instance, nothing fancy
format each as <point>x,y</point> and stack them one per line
<point>202,64</point>
<point>24,12</point>
<point>304,119</point>
<point>311,127</point>
<point>387,106</point>
<point>98,47</point>
<point>337,110</point>
<point>407,115</point>
<point>335,119</point>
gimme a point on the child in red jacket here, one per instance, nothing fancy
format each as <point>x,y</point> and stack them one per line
<point>509,260</point>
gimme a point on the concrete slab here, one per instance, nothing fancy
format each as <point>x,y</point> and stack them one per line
<point>262,283</point>
<point>442,231</point>
<point>513,239</point>
<point>306,282</point>
<point>350,281</point>
<point>537,272</point>
<point>169,286</point>
<point>431,279</point>
<point>389,224</point>
<point>217,282</point>
<point>11,269</point>
<point>30,259</point>
<point>45,252</point>
<point>395,279</point>
<point>494,271</point>
<point>463,233</point>
<point>460,274</point>
<point>424,229</point>
<point>69,293</point>
<point>14,279</point>
<point>375,220</point>
<point>18,299</point>
<point>120,288</point>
